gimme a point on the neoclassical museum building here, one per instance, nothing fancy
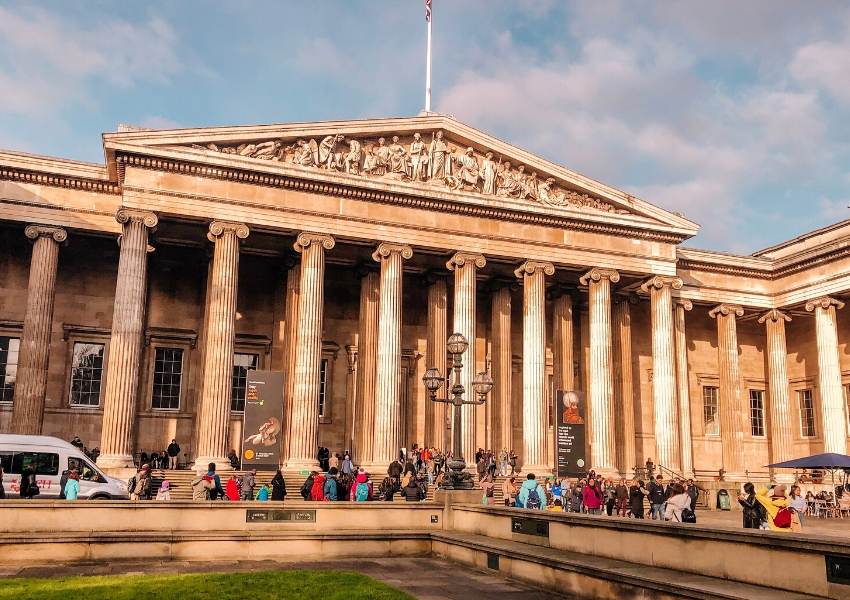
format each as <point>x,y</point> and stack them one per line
<point>136,294</point>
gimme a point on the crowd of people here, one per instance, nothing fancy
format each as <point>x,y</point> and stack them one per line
<point>673,501</point>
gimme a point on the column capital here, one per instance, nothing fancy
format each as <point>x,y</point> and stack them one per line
<point>660,281</point>
<point>530,267</point>
<point>34,232</point>
<point>683,302</point>
<point>774,314</point>
<point>459,259</point>
<point>218,228</point>
<point>306,239</point>
<point>726,310</point>
<point>824,302</point>
<point>597,274</point>
<point>387,249</point>
<point>125,215</point>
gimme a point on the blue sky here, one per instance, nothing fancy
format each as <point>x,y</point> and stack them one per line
<point>733,113</point>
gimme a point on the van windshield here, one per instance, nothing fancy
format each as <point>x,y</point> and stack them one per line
<point>87,471</point>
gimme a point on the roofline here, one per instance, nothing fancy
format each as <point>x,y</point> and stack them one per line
<point>802,237</point>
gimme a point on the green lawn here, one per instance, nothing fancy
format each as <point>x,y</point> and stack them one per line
<point>332,585</point>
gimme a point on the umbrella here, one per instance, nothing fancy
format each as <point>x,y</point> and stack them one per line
<point>816,461</point>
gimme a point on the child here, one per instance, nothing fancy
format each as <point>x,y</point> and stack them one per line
<point>263,493</point>
<point>557,506</point>
<point>164,492</point>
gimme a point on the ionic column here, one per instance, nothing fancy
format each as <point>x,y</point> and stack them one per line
<point>624,412</point>
<point>367,360</point>
<point>686,443</point>
<point>562,341</point>
<point>602,433</point>
<point>829,374</point>
<point>731,406</point>
<point>290,345</point>
<point>533,274</point>
<point>660,290</point>
<point>435,412</point>
<point>303,443</point>
<point>388,378</point>
<point>213,412</point>
<point>464,265</point>
<point>125,344</point>
<point>500,331</point>
<point>31,384</point>
<point>777,382</point>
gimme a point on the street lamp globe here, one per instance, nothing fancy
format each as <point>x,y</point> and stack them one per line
<point>432,379</point>
<point>482,384</point>
<point>456,344</point>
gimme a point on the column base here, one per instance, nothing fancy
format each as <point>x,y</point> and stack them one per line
<point>115,462</point>
<point>202,464</point>
<point>786,478</point>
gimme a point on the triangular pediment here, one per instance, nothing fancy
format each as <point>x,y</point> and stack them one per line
<point>430,154</point>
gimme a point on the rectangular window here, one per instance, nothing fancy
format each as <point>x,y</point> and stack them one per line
<point>9,347</point>
<point>242,363</point>
<point>757,413</point>
<point>167,377</point>
<point>323,386</point>
<point>86,374</point>
<point>709,410</point>
<point>807,413</point>
<point>42,463</point>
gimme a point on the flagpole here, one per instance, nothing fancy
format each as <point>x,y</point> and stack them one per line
<point>428,68</point>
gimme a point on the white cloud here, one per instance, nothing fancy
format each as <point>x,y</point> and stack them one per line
<point>825,66</point>
<point>49,61</point>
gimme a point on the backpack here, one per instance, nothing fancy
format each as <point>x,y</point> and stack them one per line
<point>688,516</point>
<point>533,500</point>
<point>361,492</point>
<point>782,519</point>
<point>131,484</point>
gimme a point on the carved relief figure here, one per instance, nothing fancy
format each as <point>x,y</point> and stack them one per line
<point>306,154</point>
<point>438,166</point>
<point>398,158</point>
<point>508,185</point>
<point>382,152</point>
<point>467,173</point>
<point>328,158</point>
<point>370,161</point>
<point>351,162</point>
<point>488,174</point>
<point>418,159</point>
<point>267,150</point>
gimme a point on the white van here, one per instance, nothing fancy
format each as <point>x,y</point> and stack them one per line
<point>49,457</point>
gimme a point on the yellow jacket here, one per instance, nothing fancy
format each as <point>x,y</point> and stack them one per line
<point>772,506</point>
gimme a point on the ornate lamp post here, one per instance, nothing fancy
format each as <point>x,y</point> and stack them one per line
<point>458,478</point>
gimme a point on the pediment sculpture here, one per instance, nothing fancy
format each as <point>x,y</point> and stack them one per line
<point>437,162</point>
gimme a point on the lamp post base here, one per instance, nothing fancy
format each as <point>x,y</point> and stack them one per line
<point>457,477</point>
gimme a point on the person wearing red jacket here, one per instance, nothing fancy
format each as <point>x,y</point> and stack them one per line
<point>592,497</point>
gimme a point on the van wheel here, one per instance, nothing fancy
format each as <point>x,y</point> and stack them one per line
<point>99,497</point>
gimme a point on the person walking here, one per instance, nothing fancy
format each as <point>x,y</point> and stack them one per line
<point>591,497</point>
<point>509,491</point>
<point>531,494</point>
<point>72,486</point>
<point>142,484</point>
<point>173,452</point>
<point>637,492</point>
<point>278,487</point>
<point>678,504</point>
<point>487,486</point>
<point>753,512</point>
<point>622,494</point>
<point>693,493</point>
<point>657,497</point>
<point>249,480</point>
<point>347,466</point>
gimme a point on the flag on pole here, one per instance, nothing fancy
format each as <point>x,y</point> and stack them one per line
<point>428,10</point>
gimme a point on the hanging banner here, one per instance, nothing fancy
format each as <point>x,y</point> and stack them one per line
<point>569,434</point>
<point>261,424</point>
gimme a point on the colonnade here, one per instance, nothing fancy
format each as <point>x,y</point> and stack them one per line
<point>378,433</point>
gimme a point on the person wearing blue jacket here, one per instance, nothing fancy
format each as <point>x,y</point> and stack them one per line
<point>330,489</point>
<point>527,492</point>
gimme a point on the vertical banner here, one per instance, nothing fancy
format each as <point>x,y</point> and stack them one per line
<point>569,434</point>
<point>261,425</point>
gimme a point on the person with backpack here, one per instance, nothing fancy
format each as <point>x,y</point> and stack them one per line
<point>248,483</point>
<point>262,494</point>
<point>753,512</point>
<point>307,486</point>
<point>331,488</point>
<point>213,483</point>
<point>779,516</point>
<point>531,494</point>
<point>678,506</point>
<point>361,490</point>
<point>140,484</point>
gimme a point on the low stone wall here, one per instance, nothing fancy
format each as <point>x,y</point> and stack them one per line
<point>785,561</point>
<point>94,516</point>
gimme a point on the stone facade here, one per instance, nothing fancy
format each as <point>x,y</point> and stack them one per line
<point>319,250</point>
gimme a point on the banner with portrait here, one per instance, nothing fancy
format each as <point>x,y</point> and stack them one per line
<point>570,434</point>
<point>261,424</point>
